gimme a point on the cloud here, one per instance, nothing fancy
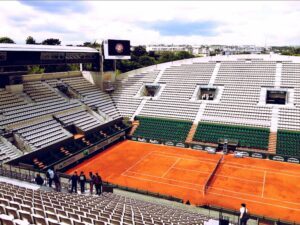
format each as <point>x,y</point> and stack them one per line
<point>55,6</point>
<point>176,27</point>
<point>154,22</point>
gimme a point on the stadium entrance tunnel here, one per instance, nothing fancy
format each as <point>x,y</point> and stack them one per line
<point>150,91</point>
<point>207,93</point>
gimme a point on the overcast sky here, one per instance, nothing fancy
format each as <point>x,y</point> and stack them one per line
<point>154,22</point>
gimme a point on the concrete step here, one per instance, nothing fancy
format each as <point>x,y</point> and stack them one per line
<point>272,142</point>
<point>135,125</point>
<point>191,134</point>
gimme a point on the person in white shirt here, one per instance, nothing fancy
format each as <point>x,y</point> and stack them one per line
<point>243,214</point>
<point>50,176</point>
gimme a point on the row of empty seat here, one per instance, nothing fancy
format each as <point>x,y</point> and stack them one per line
<point>93,96</point>
<point>81,119</point>
<point>42,134</point>
<point>181,81</point>
<point>7,150</point>
<point>288,143</point>
<point>245,136</point>
<point>19,204</point>
<point>40,91</point>
<point>8,100</point>
<point>162,129</point>
<point>124,96</point>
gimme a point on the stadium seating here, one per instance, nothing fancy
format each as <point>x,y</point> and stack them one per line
<point>93,96</point>
<point>162,129</point>
<point>127,89</point>
<point>40,91</point>
<point>246,136</point>
<point>180,85</point>
<point>41,134</point>
<point>288,143</point>
<point>19,205</point>
<point>8,100</point>
<point>29,111</point>
<point>7,150</point>
<point>81,119</point>
<point>242,84</point>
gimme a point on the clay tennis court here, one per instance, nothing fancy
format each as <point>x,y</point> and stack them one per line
<point>268,188</point>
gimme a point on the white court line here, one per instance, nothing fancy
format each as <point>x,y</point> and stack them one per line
<point>175,185</point>
<point>196,171</point>
<point>235,192</point>
<point>249,200</point>
<point>257,196</point>
<point>216,175</point>
<point>139,161</point>
<point>263,189</point>
<point>194,157</point>
<point>163,178</point>
<point>284,172</point>
<point>171,167</point>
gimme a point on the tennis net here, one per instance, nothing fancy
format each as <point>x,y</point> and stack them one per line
<point>209,179</point>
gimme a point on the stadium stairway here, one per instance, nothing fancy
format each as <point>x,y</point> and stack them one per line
<point>191,134</point>
<point>135,125</point>
<point>272,142</point>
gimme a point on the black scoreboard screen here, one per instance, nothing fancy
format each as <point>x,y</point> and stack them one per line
<point>118,47</point>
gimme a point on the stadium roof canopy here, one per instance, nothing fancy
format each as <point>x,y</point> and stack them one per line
<point>45,48</point>
<point>24,55</point>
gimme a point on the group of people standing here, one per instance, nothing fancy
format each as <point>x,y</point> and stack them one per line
<point>52,176</point>
<point>94,180</point>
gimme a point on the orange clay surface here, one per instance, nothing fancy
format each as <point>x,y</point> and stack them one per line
<point>268,188</point>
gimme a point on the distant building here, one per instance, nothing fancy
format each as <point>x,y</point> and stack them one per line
<point>169,48</point>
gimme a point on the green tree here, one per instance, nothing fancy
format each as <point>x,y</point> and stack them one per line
<point>51,41</point>
<point>139,51</point>
<point>94,44</point>
<point>35,70</point>
<point>184,55</point>
<point>30,41</point>
<point>167,57</point>
<point>146,60</point>
<point>6,40</point>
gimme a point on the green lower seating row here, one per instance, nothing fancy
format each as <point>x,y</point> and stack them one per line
<point>246,136</point>
<point>163,129</point>
<point>288,143</point>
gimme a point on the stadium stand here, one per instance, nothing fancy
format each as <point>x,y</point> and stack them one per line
<point>127,89</point>
<point>7,150</point>
<point>39,135</point>
<point>242,82</point>
<point>288,142</point>
<point>246,136</point>
<point>29,111</point>
<point>20,205</point>
<point>81,119</point>
<point>174,101</point>
<point>39,91</point>
<point>162,129</point>
<point>93,96</point>
<point>238,112</point>
<point>8,100</point>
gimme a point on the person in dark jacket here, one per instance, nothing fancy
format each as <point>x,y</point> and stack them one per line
<point>56,180</point>
<point>244,216</point>
<point>98,184</point>
<point>82,180</point>
<point>91,182</point>
<point>74,180</point>
<point>39,180</point>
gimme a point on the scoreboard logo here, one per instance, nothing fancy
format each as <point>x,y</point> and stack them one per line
<point>116,49</point>
<point>119,48</point>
